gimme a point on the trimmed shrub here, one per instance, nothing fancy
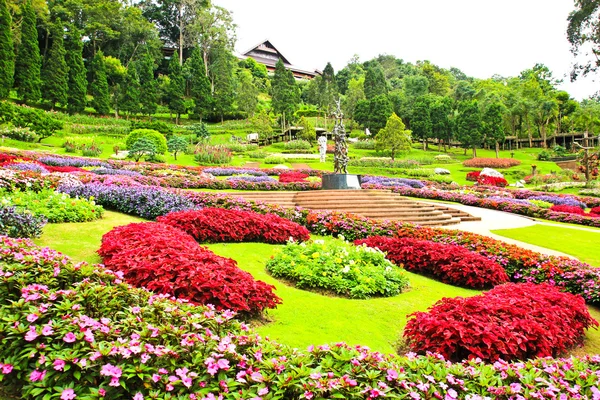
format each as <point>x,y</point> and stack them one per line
<point>17,133</point>
<point>159,139</point>
<point>491,163</point>
<point>297,145</point>
<point>350,271</point>
<point>218,225</point>
<point>510,322</point>
<point>20,223</point>
<point>26,117</point>
<point>167,260</point>
<point>449,263</point>
<point>159,126</point>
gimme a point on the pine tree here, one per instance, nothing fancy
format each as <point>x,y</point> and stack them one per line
<point>56,71</point>
<point>176,89</point>
<point>468,125</point>
<point>222,71</point>
<point>375,84</point>
<point>76,96</point>
<point>148,85</point>
<point>199,85</point>
<point>28,62</point>
<point>99,85</point>
<point>286,93</point>
<point>130,96</point>
<point>7,55</point>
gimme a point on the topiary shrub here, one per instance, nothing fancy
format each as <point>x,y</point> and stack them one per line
<point>510,322</point>
<point>449,263</point>
<point>159,126</point>
<point>217,225</point>
<point>167,260</point>
<point>159,140</point>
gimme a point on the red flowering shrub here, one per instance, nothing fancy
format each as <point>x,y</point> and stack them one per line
<point>568,209</point>
<point>450,263</point>
<point>491,181</point>
<point>510,322</point>
<point>52,168</point>
<point>473,175</point>
<point>165,259</point>
<point>8,158</point>
<point>491,163</point>
<point>221,225</point>
<point>595,210</point>
<point>288,177</point>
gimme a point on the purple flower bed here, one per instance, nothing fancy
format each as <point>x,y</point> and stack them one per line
<point>144,201</point>
<point>385,181</point>
<point>522,202</point>
<point>73,162</point>
<point>27,166</point>
<point>110,171</point>
<point>559,200</point>
<point>19,223</point>
<point>233,171</point>
<point>255,179</point>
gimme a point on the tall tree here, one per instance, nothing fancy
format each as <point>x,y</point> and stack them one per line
<point>222,72</point>
<point>28,62</point>
<point>468,125</point>
<point>76,95</point>
<point>286,94</point>
<point>7,54</point>
<point>394,136</point>
<point>420,123</point>
<point>212,29</point>
<point>441,123</point>
<point>492,125</point>
<point>199,84</point>
<point>176,88</point>
<point>130,94</point>
<point>355,94</point>
<point>375,84</point>
<point>583,32</point>
<point>247,94</point>
<point>99,85</point>
<point>56,71</point>
<point>327,89</point>
<point>148,85</point>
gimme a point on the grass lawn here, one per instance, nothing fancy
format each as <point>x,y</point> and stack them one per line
<point>304,318</point>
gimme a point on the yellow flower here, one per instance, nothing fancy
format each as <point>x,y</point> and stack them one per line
<point>315,254</point>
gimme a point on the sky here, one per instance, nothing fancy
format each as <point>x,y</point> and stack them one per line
<point>480,37</point>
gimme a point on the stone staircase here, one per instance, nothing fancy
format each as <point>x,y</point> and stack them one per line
<point>375,204</point>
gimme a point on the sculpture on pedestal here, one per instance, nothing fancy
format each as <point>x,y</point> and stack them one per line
<point>340,158</point>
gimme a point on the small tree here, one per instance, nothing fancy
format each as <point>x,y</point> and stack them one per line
<point>394,136</point>
<point>309,133</point>
<point>262,123</point>
<point>177,144</point>
<point>7,54</point>
<point>247,95</point>
<point>142,147</point>
<point>56,71</point>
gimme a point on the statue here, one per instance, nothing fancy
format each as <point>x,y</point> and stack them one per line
<point>340,158</point>
<point>322,147</point>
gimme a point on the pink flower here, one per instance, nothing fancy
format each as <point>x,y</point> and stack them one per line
<point>6,368</point>
<point>263,391</point>
<point>69,337</point>
<point>68,394</point>
<point>169,387</point>
<point>31,335</point>
<point>58,365</point>
<point>101,392</point>
<point>392,375</point>
<point>138,396</point>
<point>37,375</point>
<point>32,317</point>
<point>47,330</point>
<point>155,377</point>
<point>114,381</point>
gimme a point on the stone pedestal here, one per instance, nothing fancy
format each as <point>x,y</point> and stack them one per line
<point>340,181</point>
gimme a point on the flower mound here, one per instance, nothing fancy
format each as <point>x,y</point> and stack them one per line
<point>352,271</point>
<point>510,322</point>
<point>450,263</point>
<point>166,260</point>
<point>491,163</point>
<point>568,209</point>
<point>288,177</point>
<point>220,225</point>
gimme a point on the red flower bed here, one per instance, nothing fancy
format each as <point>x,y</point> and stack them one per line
<point>165,259</point>
<point>491,163</point>
<point>288,177</point>
<point>221,225</point>
<point>52,168</point>
<point>450,263</point>
<point>473,176</point>
<point>491,181</point>
<point>568,209</point>
<point>595,210</point>
<point>510,322</point>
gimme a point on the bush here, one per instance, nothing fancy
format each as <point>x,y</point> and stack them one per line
<point>26,117</point>
<point>218,225</point>
<point>568,209</point>
<point>239,147</point>
<point>20,223</point>
<point>233,116</point>
<point>54,206</point>
<point>297,145</point>
<point>16,133</point>
<point>257,155</point>
<point>167,260</point>
<point>212,155</point>
<point>159,140</point>
<point>595,210</point>
<point>510,322</point>
<point>384,163</point>
<point>491,163</point>
<point>442,159</point>
<point>473,176</point>
<point>355,272</point>
<point>273,160</point>
<point>159,126</point>
<point>91,150</point>
<point>486,180</point>
<point>544,155</point>
<point>288,177</point>
<point>449,263</point>
<point>70,147</point>
<point>364,145</point>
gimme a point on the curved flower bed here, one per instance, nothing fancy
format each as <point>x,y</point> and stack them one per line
<point>167,260</point>
<point>510,322</point>
<point>491,163</point>
<point>358,272</point>
<point>218,225</point>
<point>70,331</point>
<point>449,263</point>
<point>293,176</point>
<point>385,181</point>
<point>251,179</point>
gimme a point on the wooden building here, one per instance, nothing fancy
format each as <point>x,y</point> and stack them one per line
<point>268,55</point>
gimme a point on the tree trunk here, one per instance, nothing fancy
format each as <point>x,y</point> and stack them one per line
<point>529,133</point>
<point>180,34</point>
<point>424,144</point>
<point>474,152</point>
<point>497,150</point>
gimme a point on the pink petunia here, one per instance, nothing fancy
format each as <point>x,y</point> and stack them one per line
<point>68,394</point>
<point>70,337</point>
<point>58,365</point>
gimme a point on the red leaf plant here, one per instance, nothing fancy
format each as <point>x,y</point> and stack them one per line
<point>568,209</point>
<point>165,259</point>
<point>510,322</point>
<point>473,176</point>
<point>288,177</point>
<point>491,181</point>
<point>449,263</point>
<point>220,225</point>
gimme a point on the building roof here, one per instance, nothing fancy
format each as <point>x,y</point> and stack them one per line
<point>267,54</point>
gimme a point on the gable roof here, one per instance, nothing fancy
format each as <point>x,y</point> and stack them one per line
<point>266,53</point>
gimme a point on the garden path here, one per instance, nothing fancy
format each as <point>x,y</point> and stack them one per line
<point>301,166</point>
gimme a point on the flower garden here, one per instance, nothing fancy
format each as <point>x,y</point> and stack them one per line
<point>166,316</point>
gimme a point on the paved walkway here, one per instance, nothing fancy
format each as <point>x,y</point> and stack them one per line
<point>493,220</point>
